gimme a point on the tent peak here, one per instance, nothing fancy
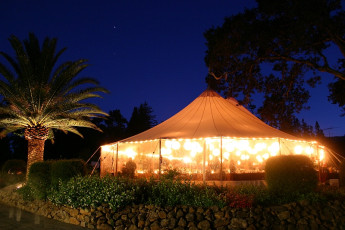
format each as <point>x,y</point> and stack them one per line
<point>209,93</point>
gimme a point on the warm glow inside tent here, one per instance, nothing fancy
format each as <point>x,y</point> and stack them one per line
<point>210,139</point>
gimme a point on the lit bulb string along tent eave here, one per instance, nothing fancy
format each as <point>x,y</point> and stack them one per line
<point>209,139</point>
<point>205,158</point>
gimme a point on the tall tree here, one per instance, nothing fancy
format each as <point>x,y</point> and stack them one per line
<point>142,119</point>
<point>40,96</point>
<point>285,97</point>
<point>116,126</point>
<point>241,51</point>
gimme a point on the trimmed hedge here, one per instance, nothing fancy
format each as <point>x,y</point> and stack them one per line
<point>39,179</point>
<point>64,170</point>
<point>290,175</point>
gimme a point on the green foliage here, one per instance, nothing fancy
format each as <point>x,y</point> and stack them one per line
<point>258,194</point>
<point>39,179</point>
<point>290,175</point>
<point>14,167</point>
<point>118,192</point>
<point>64,170</point>
<point>128,170</point>
<point>170,174</point>
<point>27,193</point>
<point>171,193</point>
<point>39,92</point>
<point>94,191</point>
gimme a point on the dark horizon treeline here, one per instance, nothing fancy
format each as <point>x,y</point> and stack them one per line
<point>116,127</point>
<point>66,146</point>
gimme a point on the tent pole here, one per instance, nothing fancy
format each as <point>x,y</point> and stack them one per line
<point>160,157</point>
<point>280,149</point>
<point>221,158</point>
<point>319,163</point>
<point>116,158</point>
<point>203,164</point>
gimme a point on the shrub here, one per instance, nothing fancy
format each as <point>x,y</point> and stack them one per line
<point>171,193</point>
<point>14,167</point>
<point>26,192</point>
<point>94,191</point>
<point>170,174</point>
<point>39,179</point>
<point>290,174</point>
<point>342,174</point>
<point>247,195</point>
<point>64,170</point>
<point>240,200</point>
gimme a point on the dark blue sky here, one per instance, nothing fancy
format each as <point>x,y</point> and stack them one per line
<point>141,50</point>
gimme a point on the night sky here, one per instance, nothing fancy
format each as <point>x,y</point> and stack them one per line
<point>141,51</point>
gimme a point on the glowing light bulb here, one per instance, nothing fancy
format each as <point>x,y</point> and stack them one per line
<point>130,153</point>
<point>238,153</point>
<point>266,156</point>
<point>260,146</point>
<point>229,147</point>
<point>187,145</point>
<point>226,155</point>
<point>192,153</point>
<point>274,148</point>
<point>165,151</point>
<point>187,160</point>
<point>309,150</point>
<point>322,154</point>
<point>238,162</point>
<point>216,152</point>
<point>211,146</point>
<point>242,144</point>
<point>175,145</point>
<point>298,149</point>
<point>210,157</point>
<point>168,143</point>
<point>259,158</point>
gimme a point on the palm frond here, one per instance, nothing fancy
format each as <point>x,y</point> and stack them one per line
<point>40,94</point>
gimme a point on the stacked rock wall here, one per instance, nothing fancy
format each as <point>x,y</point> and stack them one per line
<point>300,215</point>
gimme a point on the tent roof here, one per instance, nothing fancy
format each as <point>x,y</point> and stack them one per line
<point>210,115</point>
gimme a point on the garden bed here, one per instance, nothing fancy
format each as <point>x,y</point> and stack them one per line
<point>296,215</point>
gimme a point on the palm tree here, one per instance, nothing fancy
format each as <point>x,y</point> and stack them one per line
<point>39,97</point>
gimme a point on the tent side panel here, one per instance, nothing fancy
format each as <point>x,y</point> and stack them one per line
<point>107,160</point>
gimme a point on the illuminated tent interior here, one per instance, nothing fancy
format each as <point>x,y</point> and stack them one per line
<point>210,139</point>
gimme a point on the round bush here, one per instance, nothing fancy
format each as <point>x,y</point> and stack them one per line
<point>290,174</point>
<point>64,170</point>
<point>14,167</point>
<point>39,179</point>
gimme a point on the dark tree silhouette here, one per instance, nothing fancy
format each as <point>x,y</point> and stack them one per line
<point>142,119</point>
<point>277,33</point>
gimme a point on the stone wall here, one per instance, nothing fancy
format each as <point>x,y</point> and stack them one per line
<point>301,215</point>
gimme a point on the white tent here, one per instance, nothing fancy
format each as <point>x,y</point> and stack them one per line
<point>210,137</point>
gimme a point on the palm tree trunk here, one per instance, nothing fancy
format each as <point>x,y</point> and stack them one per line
<point>35,152</point>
